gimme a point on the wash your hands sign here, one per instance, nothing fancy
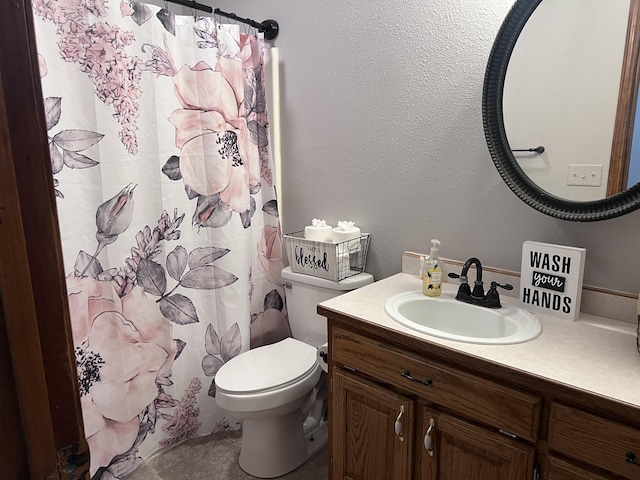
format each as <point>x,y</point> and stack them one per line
<point>551,279</point>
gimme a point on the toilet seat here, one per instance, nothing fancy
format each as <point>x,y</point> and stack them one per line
<point>267,368</point>
<point>278,377</point>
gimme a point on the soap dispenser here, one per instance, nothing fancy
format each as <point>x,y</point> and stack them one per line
<point>432,274</point>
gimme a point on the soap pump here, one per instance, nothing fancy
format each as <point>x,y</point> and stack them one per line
<point>432,274</point>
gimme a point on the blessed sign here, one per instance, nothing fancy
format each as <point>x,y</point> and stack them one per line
<point>551,278</point>
<point>311,258</point>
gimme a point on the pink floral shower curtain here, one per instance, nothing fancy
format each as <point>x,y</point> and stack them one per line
<point>153,119</point>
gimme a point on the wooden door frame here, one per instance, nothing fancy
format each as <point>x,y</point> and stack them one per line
<point>626,109</point>
<point>32,286</point>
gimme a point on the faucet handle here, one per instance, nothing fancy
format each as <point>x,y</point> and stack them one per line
<point>493,299</point>
<point>506,286</point>
<point>463,278</point>
<point>464,289</point>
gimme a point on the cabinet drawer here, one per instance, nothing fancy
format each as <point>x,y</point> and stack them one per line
<point>594,440</point>
<point>470,396</point>
<point>557,469</point>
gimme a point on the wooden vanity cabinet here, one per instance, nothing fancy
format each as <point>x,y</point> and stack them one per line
<point>402,409</point>
<point>394,415</point>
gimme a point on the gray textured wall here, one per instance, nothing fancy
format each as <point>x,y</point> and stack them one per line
<point>382,124</point>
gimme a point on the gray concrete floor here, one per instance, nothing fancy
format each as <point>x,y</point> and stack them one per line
<point>216,458</point>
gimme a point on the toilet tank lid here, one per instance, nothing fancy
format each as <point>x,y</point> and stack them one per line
<point>349,283</point>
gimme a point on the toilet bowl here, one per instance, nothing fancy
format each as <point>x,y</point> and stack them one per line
<point>279,390</point>
<point>272,389</point>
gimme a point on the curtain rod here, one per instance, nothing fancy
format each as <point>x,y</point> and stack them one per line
<point>269,27</point>
<point>193,4</point>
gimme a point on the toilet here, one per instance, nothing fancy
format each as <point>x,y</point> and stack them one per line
<point>279,390</point>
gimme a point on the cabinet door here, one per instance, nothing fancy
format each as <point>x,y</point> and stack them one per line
<point>366,442</point>
<point>557,469</point>
<point>452,449</point>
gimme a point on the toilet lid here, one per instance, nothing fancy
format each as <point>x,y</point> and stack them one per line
<point>267,367</point>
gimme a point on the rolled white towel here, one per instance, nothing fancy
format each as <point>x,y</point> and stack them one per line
<point>346,231</point>
<point>318,231</point>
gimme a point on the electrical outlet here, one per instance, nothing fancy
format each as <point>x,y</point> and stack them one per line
<point>586,175</point>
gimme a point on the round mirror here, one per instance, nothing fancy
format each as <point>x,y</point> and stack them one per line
<point>559,102</point>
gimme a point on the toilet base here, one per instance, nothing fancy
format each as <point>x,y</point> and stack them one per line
<point>274,447</point>
<point>317,439</point>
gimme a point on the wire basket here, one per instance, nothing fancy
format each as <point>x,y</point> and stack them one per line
<point>333,261</point>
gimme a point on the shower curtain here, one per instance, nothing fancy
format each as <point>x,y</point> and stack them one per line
<point>158,136</point>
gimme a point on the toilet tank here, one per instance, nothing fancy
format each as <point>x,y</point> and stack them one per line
<point>305,292</point>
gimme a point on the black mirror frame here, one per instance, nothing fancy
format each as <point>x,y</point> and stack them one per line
<point>505,162</point>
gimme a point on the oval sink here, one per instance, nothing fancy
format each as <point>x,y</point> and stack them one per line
<point>446,317</point>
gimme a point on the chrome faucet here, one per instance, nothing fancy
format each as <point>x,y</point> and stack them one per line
<point>477,296</point>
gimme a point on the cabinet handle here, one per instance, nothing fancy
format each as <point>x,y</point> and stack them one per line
<point>428,439</point>
<point>398,425</point>
<point>407,374</point>
<point>631,458</point>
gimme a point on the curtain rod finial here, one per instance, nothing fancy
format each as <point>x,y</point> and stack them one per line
<point>271,29</point>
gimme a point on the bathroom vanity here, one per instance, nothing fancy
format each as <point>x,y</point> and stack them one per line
<point>404,405</point>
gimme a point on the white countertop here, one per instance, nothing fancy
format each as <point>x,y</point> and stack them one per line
<point>594,354</point>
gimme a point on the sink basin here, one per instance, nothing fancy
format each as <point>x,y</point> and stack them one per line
<point>446,317</point>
